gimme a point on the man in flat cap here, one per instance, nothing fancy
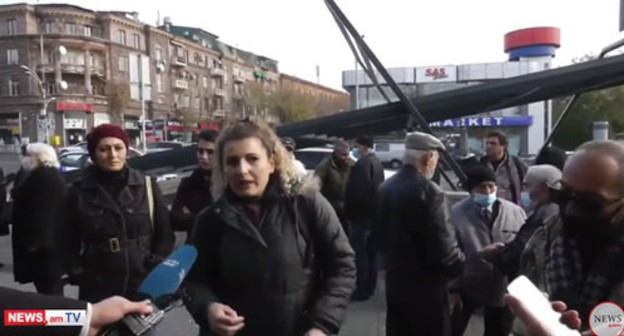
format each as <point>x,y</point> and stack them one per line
<point>417,241</point>
<point>290,145</point>
<point>360,200</point>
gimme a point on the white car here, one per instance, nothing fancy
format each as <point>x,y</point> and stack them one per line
<point>311,157</point>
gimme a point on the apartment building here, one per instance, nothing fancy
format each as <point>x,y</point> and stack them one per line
<point>65,69</point>
<point>328,100</point>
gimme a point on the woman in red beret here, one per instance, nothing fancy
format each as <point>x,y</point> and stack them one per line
<point>119,222</point>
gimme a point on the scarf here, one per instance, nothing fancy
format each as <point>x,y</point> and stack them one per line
<point>582,289</point>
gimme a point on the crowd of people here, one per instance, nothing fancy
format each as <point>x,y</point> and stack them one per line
<point>284,252</point>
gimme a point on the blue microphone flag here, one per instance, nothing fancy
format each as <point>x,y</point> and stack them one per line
<point>165,279</point>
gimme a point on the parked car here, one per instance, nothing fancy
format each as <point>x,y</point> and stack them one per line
<point>79,147</point>
<point>390,153</point>
<point>161,146</point>
<point>311,157</point>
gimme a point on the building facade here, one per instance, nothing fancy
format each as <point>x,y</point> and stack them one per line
<point>327,100</point>
<point>527,126</point>
<point>66,69</point>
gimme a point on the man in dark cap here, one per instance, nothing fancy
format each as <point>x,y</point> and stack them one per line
<point>333,174</point>
<point>417,241</point>
<point>360,201</point>
<point>482,220</point>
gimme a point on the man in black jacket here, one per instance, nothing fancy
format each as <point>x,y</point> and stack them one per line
<point>360,202</point>
<point>418,243</point>
<point>99,315</point>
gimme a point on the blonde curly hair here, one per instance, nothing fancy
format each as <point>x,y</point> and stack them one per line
<point>275,150</point>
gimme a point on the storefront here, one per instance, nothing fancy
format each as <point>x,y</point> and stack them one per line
<point>74,116</point>
<point>131,125</point>
<point>10,129</point>
<point>468,134</point>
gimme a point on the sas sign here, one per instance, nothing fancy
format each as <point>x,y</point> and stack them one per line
<point>436,74</point>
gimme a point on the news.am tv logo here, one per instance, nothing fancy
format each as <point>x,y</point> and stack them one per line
<point>44,317</point>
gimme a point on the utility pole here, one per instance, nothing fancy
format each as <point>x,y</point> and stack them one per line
<point>357,87</point>
<point>142,98</point>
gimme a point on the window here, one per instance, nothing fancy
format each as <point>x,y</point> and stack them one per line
<point>51,88</point>
<point>71,29</point>
<point>158,54</point>
<point>136,41</point>
<point>11,27</point>
<point>205,82</point>
<point>14,87</point>
<point>12,56</point>
<point>159,83</point>
<point>50,57</point>
<point>122,37</point>
<point>124,64</point>
<point>206,61</point>
<point>48,27</point>
<point>88,31</point>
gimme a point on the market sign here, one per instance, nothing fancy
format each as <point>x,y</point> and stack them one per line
<point>512,121</point>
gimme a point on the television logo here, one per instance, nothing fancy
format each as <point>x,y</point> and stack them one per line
<point>44,317</point>
<point>607,319</point>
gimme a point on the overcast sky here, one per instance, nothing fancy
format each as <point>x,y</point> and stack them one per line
<point>301,33</point>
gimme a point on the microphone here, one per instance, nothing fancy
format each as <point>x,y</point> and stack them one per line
<point>166,278</point>
<point>161,286</point>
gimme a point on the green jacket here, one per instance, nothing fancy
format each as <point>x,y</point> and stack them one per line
<point>333,180</point>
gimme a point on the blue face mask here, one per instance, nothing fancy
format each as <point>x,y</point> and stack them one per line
<point>356,153</point>
<point>484,200</point>
<point>526,200</point>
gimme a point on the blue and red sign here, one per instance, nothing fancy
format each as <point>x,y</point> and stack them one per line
<point>512,121</point>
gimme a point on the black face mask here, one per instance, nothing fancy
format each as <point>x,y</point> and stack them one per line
<point>588,215</point>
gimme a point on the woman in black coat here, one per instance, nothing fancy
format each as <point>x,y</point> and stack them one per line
<point>273,258</point>
<point>118,221</point>
<point>38,220</point>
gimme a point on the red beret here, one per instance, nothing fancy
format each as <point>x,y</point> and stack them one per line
<point>105,131</point>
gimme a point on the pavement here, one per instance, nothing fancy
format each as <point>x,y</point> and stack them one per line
<point>363,318</point>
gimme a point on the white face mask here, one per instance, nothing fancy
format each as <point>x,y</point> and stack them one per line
<point>27,163</point>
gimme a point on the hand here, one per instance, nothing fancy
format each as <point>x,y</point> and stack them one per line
<point>113,309</point>
<point>490,250</point>
<point>532,325</point>
<point>223,320</point>
<point>455,302</point>
<point>315,332</point>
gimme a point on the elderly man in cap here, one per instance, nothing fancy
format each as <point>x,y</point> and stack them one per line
<point>542,184</point>
<point>333,174</point>
<point>417,241</point>
<point>360,200</point>
<point>290,145</point>
<point>482,220</point>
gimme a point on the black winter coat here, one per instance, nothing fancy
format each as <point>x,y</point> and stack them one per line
<point>39,226</point>
<point>419,247</point>
<point>194,194</point>
<point>114,243</point>
<point>271,273</point>
<point>361,194</point>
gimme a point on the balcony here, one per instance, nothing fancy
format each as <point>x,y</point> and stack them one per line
<point>180,84</point>
<point>217,72</point>
<point>178,61</point>
<point>218,113</point>
<point>219,92</point>
<point>239,78</point>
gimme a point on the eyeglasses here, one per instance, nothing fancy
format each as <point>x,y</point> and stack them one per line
<point>202,151</point>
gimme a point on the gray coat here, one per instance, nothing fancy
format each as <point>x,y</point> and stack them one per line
<point>480,281</point>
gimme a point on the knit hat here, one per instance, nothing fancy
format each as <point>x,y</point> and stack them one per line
<point>105,131</point>
<point>477,175</point>
<point>365,140</point>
